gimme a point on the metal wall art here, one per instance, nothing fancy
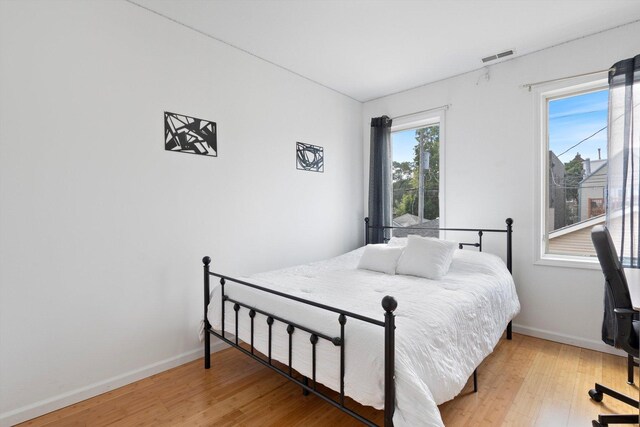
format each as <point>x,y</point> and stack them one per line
<point>309,157</point>
<point>186,134</point>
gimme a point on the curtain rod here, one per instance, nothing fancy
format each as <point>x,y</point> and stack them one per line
<point>442,107</point>
<point>593,73</point>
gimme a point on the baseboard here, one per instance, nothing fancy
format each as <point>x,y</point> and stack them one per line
<point>568,339</point>
<point>60,401</point>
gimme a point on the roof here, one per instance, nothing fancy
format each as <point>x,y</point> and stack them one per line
<point>405,220</point>
<point>591,222</point>
<point>428,225</point>
<point>575,239</point>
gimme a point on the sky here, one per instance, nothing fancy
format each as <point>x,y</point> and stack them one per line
<point>574,119</point>
<point>402,144</point>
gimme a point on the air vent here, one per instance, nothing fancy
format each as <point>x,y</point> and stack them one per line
<point>497,56</point>
<point>505,53</point>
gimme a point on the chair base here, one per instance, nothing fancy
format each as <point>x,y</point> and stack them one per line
<point>605,420</point>
<point>631,362</point>
<point>598,393</point>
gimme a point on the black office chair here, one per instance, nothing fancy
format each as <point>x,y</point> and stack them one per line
<point>626,328</point>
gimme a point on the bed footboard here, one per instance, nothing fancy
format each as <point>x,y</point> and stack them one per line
<point>207,326</point>
<point>389,304</point>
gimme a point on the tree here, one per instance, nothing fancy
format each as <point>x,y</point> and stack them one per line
<point>407,203</point>
<point>402,173</point>
<point>573,174</point>
<point>429,137</point>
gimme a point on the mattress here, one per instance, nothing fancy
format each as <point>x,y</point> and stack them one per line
<point>444,328</point>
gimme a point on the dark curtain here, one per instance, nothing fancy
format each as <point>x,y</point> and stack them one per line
<point>380,179</point>
<point>623,182</point>
<point>624,159</point>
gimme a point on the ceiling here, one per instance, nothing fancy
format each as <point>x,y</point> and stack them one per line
<point>366,49</point>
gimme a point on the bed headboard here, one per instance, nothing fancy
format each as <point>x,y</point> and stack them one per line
<point>433,231</point>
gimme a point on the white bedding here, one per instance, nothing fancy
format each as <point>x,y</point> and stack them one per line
<point>444,328</point>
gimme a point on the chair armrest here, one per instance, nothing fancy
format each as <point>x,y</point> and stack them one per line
<point>625,312</point>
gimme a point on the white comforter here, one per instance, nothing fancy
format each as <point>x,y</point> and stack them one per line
<point>444,328</point>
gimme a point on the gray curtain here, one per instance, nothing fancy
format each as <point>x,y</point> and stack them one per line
<point>624,160</point>
<point>623,182</point>
<point>380,188</point>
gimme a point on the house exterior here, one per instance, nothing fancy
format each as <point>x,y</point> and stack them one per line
<point>406,220</point>
<point>557,194</point>
<point>575,239</point>
<point>591,190</point>
<point>413,221</point>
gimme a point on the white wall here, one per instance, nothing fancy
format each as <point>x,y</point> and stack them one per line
<point>102,231</point>
<point>489,167</point>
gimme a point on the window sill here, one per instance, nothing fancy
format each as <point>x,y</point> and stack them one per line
<point>568,261</point>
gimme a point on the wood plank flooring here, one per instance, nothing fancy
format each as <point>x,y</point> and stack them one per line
<point>524,382</point>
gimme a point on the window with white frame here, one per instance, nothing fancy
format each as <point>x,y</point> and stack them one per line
<point>574,178</point>
<point>416,161</point>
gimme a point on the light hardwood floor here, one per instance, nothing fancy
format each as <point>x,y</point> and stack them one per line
<point>524,382</point>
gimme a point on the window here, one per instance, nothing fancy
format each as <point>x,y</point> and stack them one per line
<point>574,125</point>
<point>416,152</point>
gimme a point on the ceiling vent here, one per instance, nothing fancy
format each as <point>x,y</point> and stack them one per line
<point>497,56</point>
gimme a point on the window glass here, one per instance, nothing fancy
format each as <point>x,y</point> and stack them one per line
<point>576,171</point>
<point>416,198</point>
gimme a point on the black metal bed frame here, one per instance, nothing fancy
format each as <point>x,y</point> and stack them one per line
<point>389,304</point>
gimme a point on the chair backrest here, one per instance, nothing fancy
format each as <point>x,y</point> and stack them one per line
<point>617,328</point>
<point>614,276</point>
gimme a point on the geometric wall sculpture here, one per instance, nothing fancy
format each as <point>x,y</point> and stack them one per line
<point>309,157</point>
<point>186,134</point>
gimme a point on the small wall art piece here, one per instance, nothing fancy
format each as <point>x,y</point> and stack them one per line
<point>186,134</point>
<point>309,157</point>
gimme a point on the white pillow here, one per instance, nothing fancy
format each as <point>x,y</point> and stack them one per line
<point>380,257</point>
<point>397,241</point>
<point>426,257</point>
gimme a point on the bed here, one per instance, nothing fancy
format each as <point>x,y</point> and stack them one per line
<point>333,324</point>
